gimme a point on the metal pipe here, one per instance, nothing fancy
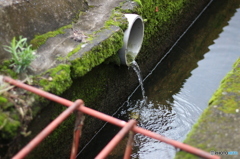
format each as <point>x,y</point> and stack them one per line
<point>38,91</point>
<point>111,119</point>
<point>117,138</point>
<point>174,143</point>
<point>45,132</point>
<point>77,133</point>
<point>128,150</point>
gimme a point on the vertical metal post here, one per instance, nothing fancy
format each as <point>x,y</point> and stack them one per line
<point>45,132</point>
<point>128,150</point>
<point>77,133</point>
<point>117,138</point>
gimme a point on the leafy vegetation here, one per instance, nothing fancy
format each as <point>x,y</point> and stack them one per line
<point>139,2</point>
<point>22,53</point>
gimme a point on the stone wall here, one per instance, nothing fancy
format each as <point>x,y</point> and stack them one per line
<point>32,17</point>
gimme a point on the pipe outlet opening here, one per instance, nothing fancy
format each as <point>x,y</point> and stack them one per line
<point>133,38</point>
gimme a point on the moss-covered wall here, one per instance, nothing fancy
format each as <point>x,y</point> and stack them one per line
<point>226,98</point>
<point>105,86</point>
<point>220,120</point>
<point>165,22</point>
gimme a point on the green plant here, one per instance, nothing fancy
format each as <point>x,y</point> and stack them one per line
<point>22,53</point>
<point>139,2</point>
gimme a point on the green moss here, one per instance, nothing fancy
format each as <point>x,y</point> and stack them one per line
<point>161,18</point>
<point>114,59</point>
<point>5,69</point>
<point>193,141</point>
<point>57,79</point>
<point>185,155</point>
<point>66,127</point>
<point>3,100</point>
<point>227,95</point>
<point>5,105</point>
<point>97,55</point>
<point>9,120</point>
<point>8,125</point>
<point>139,2</point>
<point>75,50</point>
<point>41,39</point>
<point>117,19</point>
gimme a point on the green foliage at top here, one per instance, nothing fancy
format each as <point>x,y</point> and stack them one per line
<point>22,53</point>
<point>117,19</point>
<point>160,16</point>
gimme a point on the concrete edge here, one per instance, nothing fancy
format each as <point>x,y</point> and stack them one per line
<point>210,133</point>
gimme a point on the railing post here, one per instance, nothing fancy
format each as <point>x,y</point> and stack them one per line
<point>47,130</point>
<point>77,133</point>
<point>117,138</point>
<point>128,150</point>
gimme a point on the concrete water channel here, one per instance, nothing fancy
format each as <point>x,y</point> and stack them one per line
<point>95,77</point>
<point>105,85</point>
<point>179,88</point>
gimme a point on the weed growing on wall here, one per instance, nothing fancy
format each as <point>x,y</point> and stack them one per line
<point>139,2</point>
<point>22,53</point>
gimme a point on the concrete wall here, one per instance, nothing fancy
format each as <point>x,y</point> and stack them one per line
<point>33,17</point>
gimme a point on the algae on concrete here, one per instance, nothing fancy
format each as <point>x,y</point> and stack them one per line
<point>39,40</point>
<point>109,47</point>
<point>218,127</point>
<point>8,119</point>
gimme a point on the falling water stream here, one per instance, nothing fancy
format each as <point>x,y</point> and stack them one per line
<point>143,102</point>
<point>179,88</point>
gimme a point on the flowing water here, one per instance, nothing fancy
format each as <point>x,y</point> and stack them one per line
<point>179,88</point>
<point>142,102</point>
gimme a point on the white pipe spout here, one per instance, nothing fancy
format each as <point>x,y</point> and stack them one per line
<point>133,38</point>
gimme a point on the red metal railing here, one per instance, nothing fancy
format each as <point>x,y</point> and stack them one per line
<point>45,132</point>
<point>130,126</point>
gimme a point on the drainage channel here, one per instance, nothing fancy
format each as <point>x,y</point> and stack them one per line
<point>179,88</point>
